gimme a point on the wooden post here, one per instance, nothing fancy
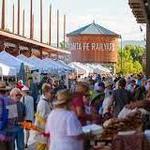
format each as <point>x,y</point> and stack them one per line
<point>41,22</point>
<point>50,23</point>
<point>30,50</point>
<point>18,31</point>
<point>64,31</point>
<point>31,17</point>
<point>41,54</point>
<point>57,28</point>
<point>3,15</point>
<point>23,24</point>
<point>32,26</point>
<point>148,49</point>
<point>13,24</point>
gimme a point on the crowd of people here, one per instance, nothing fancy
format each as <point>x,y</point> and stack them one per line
<point>55,120</point>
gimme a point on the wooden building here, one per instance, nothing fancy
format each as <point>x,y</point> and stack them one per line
<point>94,44</point>
<point>141,10</point>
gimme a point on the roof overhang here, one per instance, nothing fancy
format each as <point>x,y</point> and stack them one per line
<point>141,10</point>
<point>33,43</point>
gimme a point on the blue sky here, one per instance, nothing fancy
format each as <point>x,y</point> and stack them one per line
<point>112,14</point>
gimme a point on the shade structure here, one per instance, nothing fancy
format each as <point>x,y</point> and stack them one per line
<point>89,68</point>
<point>97,68</point>
<point>12,61</point>
<point>6,70</point>
<point>54,63</point>
<point>38,63</point>
<point>63,64</point>
<point>77,68</point>
<point>27,60</point>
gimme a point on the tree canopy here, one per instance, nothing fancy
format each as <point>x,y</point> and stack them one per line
<point>130,59</point>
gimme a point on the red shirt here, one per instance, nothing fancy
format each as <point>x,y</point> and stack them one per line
<point>77,101</point>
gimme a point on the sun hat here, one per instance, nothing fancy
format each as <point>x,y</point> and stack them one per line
<point>63,97</point>
<point>4,87</point>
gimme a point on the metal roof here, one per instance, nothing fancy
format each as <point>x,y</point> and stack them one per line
<point>93,29</point>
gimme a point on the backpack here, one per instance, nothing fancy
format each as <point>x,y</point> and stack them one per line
<point>3,114</point>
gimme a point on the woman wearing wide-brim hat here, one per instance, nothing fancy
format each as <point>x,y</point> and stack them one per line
<point>63,126</point>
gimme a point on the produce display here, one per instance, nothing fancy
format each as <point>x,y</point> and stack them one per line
<point>115,125</point>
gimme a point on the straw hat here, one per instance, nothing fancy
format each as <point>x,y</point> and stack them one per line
<point>63,97</point>
<point>4,87</point>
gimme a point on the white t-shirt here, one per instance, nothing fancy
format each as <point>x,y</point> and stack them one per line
<point>63,126</point>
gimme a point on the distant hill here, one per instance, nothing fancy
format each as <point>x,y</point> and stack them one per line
<point>132,42</point>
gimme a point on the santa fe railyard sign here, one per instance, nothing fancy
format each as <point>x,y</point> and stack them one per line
<point>92,46</point>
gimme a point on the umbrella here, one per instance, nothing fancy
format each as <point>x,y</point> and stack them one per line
<point>21,74</point>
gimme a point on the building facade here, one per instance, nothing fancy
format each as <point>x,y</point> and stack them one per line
<point>94,44</point>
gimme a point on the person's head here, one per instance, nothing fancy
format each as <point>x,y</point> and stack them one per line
<point>56,83</point>
<point>99,87</point>
<point>108,85</point>
<point>46,90</point>
<point>63,99</point>
<point>82,87</point>
<point>122,83</point>
<point>15,94</point>
<point>4,89</point>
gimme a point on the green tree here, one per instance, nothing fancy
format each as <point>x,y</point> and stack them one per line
<point>131,57</point>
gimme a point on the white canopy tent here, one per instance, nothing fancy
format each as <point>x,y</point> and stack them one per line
<point>42,66</point>
<point>6,70</point>
<point>97,68</point>
<point>77,68</point>
<point>54,63</point>
<point>63,64</point>
<point>8,59</point>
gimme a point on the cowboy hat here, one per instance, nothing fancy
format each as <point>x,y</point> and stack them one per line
<point>4,87</point>
<point>63,97</point>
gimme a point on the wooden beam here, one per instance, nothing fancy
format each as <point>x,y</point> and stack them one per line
<point>50,23</point>
<point>13,23</point>
<point>18,31</point>
<point>3,15</point>
<point>57,28</point>
<point>41,21</point>
<point>31,23</point>
<point>23,24</point>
